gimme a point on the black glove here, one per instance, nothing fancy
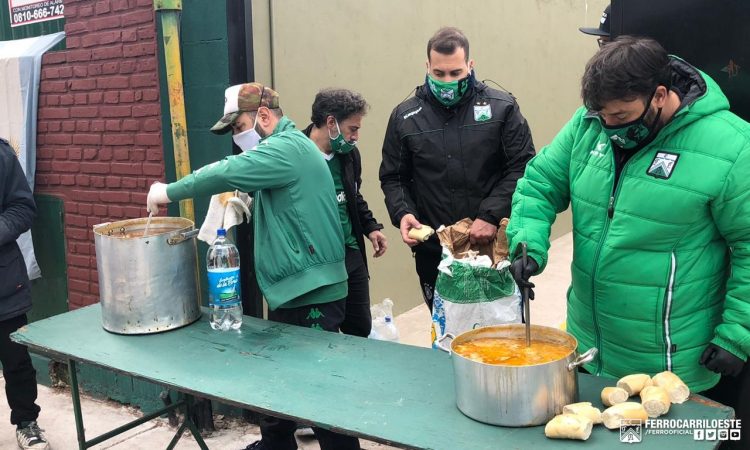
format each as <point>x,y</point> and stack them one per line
<point>721,361</point>
<point>521,273</point>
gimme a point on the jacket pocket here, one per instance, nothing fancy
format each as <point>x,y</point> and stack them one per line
<point>13,269</point>
<point>290,240</point>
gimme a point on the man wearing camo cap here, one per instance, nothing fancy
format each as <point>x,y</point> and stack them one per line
<point>239,101</point>
<point>299,266</point>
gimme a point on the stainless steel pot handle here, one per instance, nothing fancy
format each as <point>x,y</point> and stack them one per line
<point>182,237</point>
<point>439,342</point>
<point>583,359</point>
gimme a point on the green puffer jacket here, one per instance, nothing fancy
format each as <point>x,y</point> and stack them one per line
<point>299,244</point>
<point>661,262</point>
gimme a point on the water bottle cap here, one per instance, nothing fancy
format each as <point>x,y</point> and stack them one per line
<point>221,232</point>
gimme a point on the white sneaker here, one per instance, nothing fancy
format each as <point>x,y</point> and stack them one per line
<point>31,437</point>
<point>304,431</point>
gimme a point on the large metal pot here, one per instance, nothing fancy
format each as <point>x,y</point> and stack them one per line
<point>147,284</point>
<point>516,396</point>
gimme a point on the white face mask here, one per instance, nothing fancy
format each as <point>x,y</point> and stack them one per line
<point>248,139</point>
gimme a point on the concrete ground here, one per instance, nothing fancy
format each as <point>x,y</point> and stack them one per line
<point>100,416</point>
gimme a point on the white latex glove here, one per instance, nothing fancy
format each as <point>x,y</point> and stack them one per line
<point>157,195</point>
<point>240,206</point>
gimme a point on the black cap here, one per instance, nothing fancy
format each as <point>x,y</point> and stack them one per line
<point>603,29</point>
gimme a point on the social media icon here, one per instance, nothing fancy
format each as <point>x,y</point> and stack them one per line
<point>711,434</point>
<point>734,435</point>
<point>723,435</point>
<point>698,434</point>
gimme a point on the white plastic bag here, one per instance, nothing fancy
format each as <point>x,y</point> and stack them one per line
<point>383,326</point>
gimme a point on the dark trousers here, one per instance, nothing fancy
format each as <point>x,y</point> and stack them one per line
<point>427,258</point>
<point>278,434</point>
<point>358,320</point>
<point>19,374</point>
<point>735,392</point>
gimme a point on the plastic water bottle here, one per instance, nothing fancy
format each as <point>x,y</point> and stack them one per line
<point>224,300</point>
<point>383,326</point>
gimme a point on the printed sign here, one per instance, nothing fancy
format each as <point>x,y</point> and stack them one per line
<point>24,12</point>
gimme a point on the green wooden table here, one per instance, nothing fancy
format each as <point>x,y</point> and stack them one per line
<point>390,393</point>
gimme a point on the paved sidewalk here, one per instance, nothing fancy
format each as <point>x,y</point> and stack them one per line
<point>233,434</point>
<point>100,416</point>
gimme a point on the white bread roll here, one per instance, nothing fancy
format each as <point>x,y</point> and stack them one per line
<point>655,400</point>
<point>569,426</point>
<point>633,384</point>
<point>584,409</point>
<point>421,234</point>
<point>614,395</point>
<point>675,387</point>
<point>612,416</point>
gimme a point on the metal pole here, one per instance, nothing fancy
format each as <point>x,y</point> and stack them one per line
<point>168,11</point>
<point>76,404</point>
<point>132,424</point>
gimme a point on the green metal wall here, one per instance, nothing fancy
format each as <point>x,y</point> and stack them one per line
<point>205,72</point>
<point>50,292</point>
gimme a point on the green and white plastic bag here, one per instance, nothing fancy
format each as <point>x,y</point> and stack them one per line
<point>470,293</point>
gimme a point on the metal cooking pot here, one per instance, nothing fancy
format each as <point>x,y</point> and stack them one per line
<point>516,396</point>
<point>147,284</point>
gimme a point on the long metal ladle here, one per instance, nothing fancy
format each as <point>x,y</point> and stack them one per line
<point>148,223</point>
<point>525,297</point>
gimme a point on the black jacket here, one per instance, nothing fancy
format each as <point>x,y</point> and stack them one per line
<point>445,164</point>
<point>363,221</point>
<point>17,211</point>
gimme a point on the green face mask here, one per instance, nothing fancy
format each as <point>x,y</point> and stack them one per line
<point>449,92</point>
<point>635,134</point>
<point>339,144</point>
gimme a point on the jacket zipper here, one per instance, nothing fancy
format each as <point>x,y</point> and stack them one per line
<point>597,331</point>
<point>610,215</point>
<point>668,311</point>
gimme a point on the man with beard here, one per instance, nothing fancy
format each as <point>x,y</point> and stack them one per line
<point>454,150</point>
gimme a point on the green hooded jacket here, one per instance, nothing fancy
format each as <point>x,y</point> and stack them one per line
<point>661,262</point>
<point>299,245</point>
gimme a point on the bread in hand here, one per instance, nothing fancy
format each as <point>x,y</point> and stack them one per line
<point>421,234</point>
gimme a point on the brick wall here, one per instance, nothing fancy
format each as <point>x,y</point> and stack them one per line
<point>99,126</point>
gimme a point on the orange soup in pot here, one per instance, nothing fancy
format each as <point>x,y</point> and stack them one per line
<point>511,352</point>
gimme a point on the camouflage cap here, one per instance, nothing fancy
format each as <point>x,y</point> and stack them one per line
<point>241,98</point>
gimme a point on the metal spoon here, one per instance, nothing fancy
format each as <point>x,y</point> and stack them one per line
<point>148,222</point>
<point>525,297</point>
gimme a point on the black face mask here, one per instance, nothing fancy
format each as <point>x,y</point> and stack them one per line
<point>636,134</point>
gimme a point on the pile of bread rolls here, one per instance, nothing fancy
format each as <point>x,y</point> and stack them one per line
<point>657,394</point>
